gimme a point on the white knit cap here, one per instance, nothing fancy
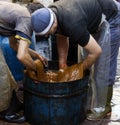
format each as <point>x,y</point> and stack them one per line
<point>42,20</point>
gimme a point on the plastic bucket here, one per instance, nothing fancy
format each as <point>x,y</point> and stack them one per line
<point>55,103</point>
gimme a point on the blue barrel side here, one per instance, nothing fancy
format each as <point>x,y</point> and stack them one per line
<point>15,66</point>
<point>55,103</point>
<point>10,56</point>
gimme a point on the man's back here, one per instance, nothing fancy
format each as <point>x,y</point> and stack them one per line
<point>12,17</point>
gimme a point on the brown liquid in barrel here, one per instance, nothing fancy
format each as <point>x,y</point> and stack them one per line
<point>71,73</point>
<point>51,76</point>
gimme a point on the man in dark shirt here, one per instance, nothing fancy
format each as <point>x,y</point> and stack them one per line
<point>84,23</point>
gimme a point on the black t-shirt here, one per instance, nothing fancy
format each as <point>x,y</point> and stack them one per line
<point>108,8</point>
<point>77,19</point>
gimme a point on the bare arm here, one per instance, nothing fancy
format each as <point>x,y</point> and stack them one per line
<point>38,56</point>
<point>29,53</point>
<point>24,56</point>
<point>94,51</point>
<point>76,71</point>
<point>23,53</point>
<point>62,46</point>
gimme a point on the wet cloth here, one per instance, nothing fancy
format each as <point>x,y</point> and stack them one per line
<point>39,75</point>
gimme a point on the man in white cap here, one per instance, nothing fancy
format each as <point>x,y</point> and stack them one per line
<point>83,22</point>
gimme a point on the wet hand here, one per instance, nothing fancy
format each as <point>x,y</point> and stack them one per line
<point>43,60</point>
<point>37,75</point>
<point>71,73</point>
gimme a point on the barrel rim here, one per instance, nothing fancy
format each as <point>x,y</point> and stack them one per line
<point>67,82</point>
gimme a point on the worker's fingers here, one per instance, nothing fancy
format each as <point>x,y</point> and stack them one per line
<point>43,60</point>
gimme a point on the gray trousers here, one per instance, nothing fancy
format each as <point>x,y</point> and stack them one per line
<point>115,44</point>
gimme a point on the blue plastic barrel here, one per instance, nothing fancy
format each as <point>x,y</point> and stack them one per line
<point>13,63</point>
<point>62,103</point>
